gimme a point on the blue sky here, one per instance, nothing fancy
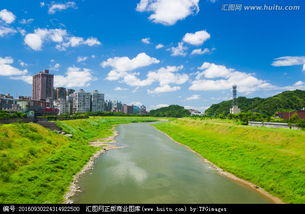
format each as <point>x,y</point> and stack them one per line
<point>154,52</point>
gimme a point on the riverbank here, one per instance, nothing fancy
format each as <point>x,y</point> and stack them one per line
<point>103,145</point>
<point>270,159</point>
<point>229,175</point>
<point>37,165</point>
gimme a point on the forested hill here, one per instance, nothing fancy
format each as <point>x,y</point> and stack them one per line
<point>285,101</point>
<point>170,111</point>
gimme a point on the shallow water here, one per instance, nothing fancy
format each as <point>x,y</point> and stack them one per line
<point>154,169</point>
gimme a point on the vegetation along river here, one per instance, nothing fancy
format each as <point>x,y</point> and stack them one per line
<point>151,168</point>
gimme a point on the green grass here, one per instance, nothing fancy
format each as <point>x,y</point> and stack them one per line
<point>37,165</point>
<point>273,159</point>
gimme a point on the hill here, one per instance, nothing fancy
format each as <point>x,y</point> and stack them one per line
<point>285,101</point>
<point>170,111</point>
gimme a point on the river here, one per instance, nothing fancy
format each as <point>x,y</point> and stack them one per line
<point>151,168</point>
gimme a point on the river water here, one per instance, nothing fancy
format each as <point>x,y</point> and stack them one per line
<point>154,169</point>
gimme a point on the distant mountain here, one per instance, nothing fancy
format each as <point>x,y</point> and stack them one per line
<point>170,111</point>
<point>285,101</point>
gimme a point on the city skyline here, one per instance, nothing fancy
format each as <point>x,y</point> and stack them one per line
<point>144,56</point>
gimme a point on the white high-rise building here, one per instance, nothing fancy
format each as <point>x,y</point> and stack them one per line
<point>61,105</point>
<point>81,102</point>
<point>97,102</point>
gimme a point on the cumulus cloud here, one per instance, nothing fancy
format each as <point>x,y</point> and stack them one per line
<point>168,75</point>
<point>163,89</point>
<point>55,7</point>
<point>22,64</point>
<point>77,41</point>
<point>135,103</point>
<point>120,89</point>
<point>290,61</point>
<point>158,106</point>
<point>168,12</point>
<point>26,78</point>
<point>6,31</point>
<point>159,46</point>
<point>36,39</point>
<point>26,21</point>
<point>6,68</point>
<point>164,76</point>
<point>193,97</point>
<point>75,77</point>
<point>180,50</point>
<point>219,77</point>
<point>55,67</point>
<point>197,38</point>
<point>7,16</point>
<point>145,40</point>
<point>81,59</point>
<point>199,51</point>
<point>121,65</point>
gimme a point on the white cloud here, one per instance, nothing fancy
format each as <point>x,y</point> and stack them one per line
<point>168,12</point>
<point>36,39</point>
<point>55,67</point>
<point>92,41</point>
<point>26,21</point>
<point>42,4</point>
<point>199,51</point>
<point>54,7</point>
<point>121,65</point>
<point>6,68</point>
<point>81,59</point>
<point>197,38</point>
<point>297,85</point>
<point>159,106</point>
<point>21,31</point>
<point>120,89</point>
<point>133,80</point>
<point>6,31</point>
<point>7,16</point>
<point>26,78</point>
<point>167,75</point>
<point>179,50</point>
<point>75,77</point>
<point>201,108</point>
<point>77,41</point>
<point>145,40</point>
<point>164,76</point>
<point>22,64</point>
<point>136,103</point>
<point>193,97</point>
<point>163,89</point>
<point>225,78</point>
<point>211,70</point>
<point>290,61</point>
<point>159,46</point>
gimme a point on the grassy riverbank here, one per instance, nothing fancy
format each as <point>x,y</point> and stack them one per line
<point>273,159</point>
<point>37,165</point>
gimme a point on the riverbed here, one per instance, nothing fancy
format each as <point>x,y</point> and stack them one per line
<point>151,168</point>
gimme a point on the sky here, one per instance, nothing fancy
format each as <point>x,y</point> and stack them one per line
<point>155,52</point>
